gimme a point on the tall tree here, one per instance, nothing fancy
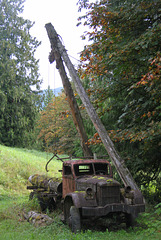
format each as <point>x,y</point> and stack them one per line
<point>124,55</point>
<point>18,74</point>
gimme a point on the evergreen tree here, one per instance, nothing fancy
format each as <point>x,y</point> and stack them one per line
<point>18,75</point>
<point>47,97</point>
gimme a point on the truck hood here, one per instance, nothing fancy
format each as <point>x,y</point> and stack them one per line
<point>91,181</point>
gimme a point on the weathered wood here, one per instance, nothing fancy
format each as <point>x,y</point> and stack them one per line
<point>42,182</point>
<point>118,162</point>
<point>77,118</point>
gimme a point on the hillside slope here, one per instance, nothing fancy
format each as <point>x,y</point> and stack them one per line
<point>18,164</point>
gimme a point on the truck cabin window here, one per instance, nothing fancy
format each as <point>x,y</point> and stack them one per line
<point>101,169</point>
<point>67,170</point>
<point>83,169</point>
<point>91,169</point>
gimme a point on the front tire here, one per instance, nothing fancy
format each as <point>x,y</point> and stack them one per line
<point>75,220</point>
<point>72,216</point>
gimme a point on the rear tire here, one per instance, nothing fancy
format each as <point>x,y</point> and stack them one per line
<point>47,203</point>
<point>130,220</point>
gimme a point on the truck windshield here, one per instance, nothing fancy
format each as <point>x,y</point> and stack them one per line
<point>83,169</point>
<point>101,169</point>
<point>91,169</point>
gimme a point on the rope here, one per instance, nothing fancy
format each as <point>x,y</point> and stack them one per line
<point>48,88</point>
<point>55,115</point>
<point>55,122</point>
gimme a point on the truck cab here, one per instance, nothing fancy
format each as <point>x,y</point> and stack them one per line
<point>76,171</point>
<point>89,191</point>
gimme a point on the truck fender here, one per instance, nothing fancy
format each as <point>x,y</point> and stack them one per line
<point>138,197</point>
<point>79,199</point>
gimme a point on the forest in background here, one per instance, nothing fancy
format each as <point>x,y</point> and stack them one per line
<point>120,69</point>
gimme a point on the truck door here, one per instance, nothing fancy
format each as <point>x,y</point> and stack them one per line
<point>68,180</point>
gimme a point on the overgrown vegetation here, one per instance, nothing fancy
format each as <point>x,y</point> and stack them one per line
<point>121,65</point>
<point>120,70</point>
<point>16,166</point>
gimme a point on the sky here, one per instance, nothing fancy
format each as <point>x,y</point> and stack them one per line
<point>62,14</point>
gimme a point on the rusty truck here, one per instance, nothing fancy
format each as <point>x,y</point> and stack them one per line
<point>87,191</point>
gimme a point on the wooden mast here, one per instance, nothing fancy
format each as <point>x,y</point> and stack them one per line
<point>77,118</point>
<point>118,162</point>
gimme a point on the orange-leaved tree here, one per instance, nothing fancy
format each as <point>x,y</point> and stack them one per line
<point>122,67</point>
<point>56,127</point>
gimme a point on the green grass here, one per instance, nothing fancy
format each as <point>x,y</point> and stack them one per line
<point>16,166</point>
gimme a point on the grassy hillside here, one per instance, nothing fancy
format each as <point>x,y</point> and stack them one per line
<point>16,165</point>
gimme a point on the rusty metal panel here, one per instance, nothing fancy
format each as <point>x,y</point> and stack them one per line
<point>110,208</point>
<point>80,199</point>
<point>69,177</point>
<point>68,185</point>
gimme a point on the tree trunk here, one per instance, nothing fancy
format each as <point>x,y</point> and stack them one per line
<point>115,158</point>
<point>55,55</point>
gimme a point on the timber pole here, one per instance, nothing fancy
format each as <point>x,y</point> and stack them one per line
<point>118,162</point>
<point>77,118</point>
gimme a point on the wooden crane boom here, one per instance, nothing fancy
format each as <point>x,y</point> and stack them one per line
<point>118,162</point>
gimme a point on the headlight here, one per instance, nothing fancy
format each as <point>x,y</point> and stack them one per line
<point>89,191</point>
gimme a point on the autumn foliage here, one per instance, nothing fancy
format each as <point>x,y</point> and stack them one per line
<point>121,70</point>
<point>56,128</point>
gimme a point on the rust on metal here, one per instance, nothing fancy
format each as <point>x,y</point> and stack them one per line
<point>89,187</point>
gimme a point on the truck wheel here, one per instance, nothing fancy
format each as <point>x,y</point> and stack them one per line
<point>72,216</point>
<point>43,204</point>
<point>130,220</point>
<point>75,219</point>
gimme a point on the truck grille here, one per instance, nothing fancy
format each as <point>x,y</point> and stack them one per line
<point>108,195</point>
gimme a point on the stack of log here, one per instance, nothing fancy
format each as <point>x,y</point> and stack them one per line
<point>45,183</point>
